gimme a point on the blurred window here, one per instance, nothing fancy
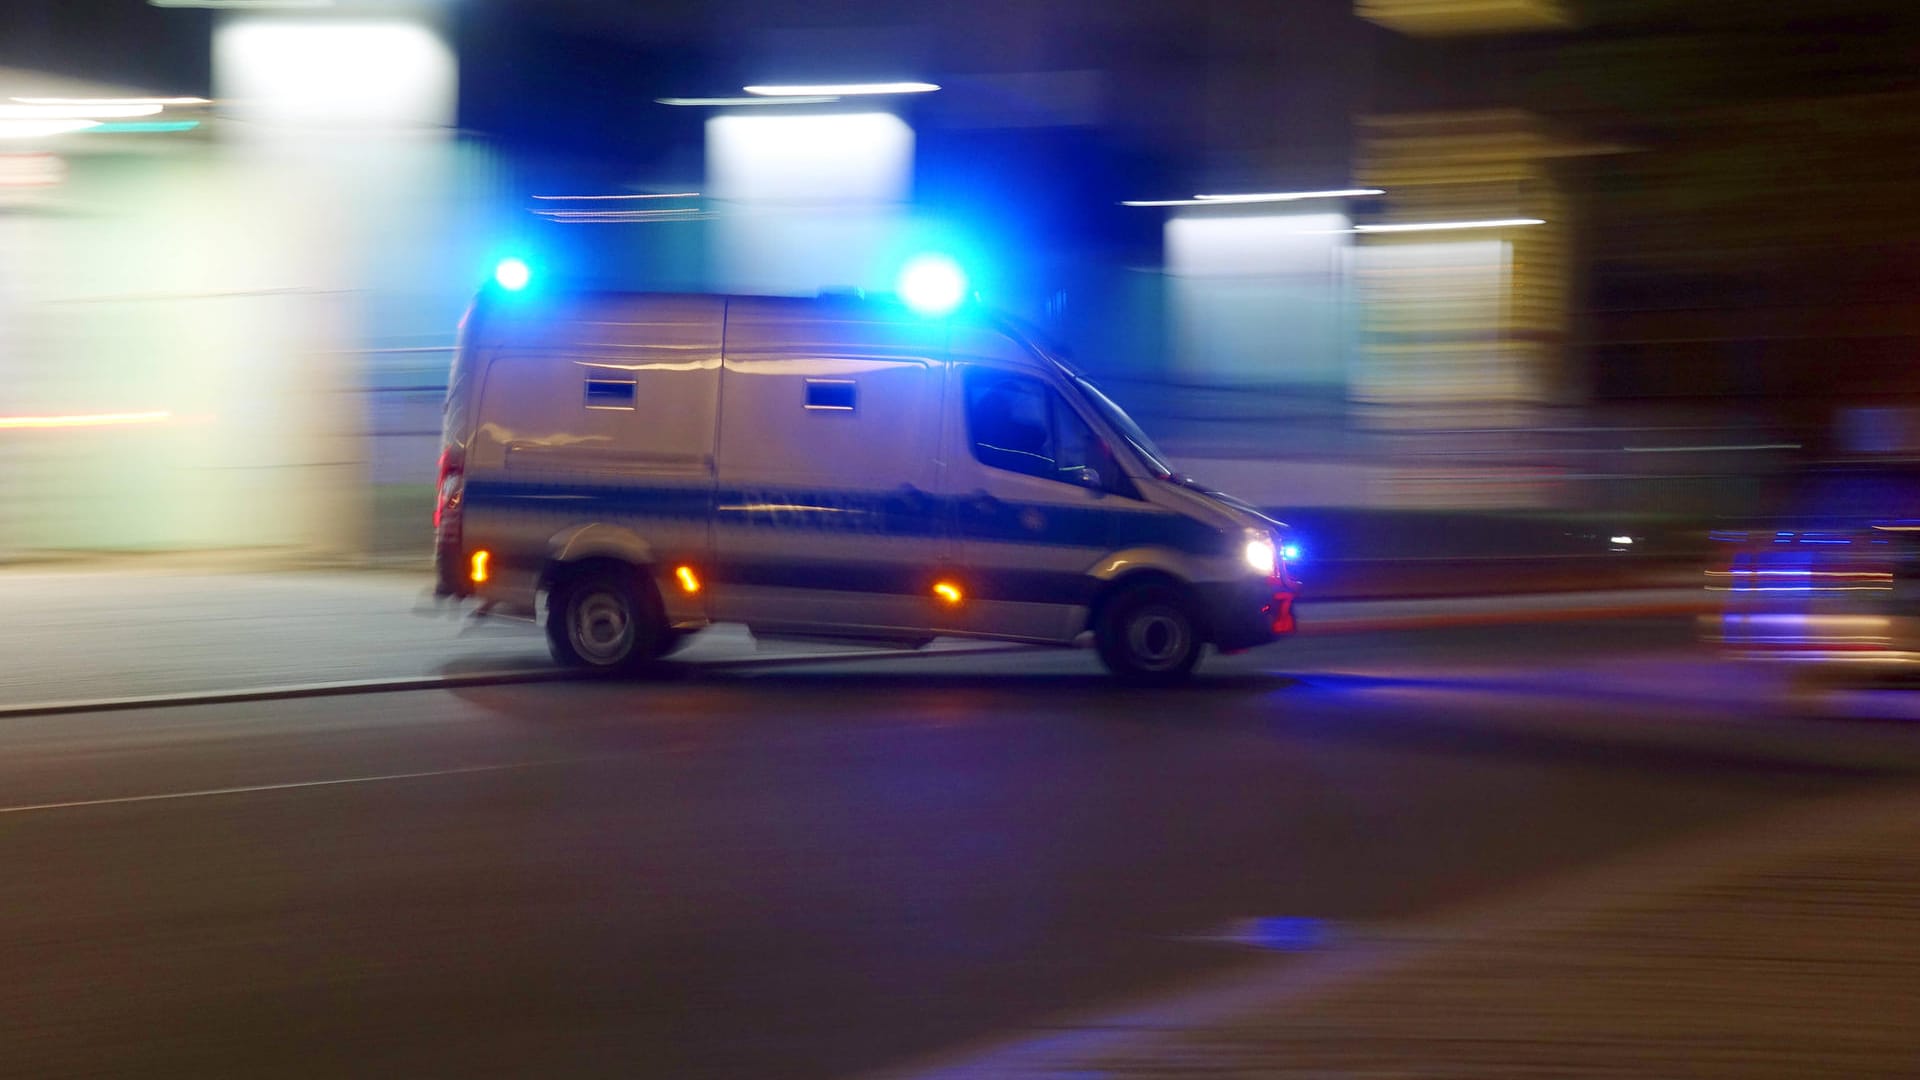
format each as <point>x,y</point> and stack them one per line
<point>1019,424</point>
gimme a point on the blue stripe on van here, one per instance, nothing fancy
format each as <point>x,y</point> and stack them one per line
<point>902,513</point>
<point>574,500</point>
<point>1030,586</point>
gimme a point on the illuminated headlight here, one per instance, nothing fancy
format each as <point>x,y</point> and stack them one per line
<point>1259,554</point>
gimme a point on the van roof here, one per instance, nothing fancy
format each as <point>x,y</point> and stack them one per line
<point>520,316</point>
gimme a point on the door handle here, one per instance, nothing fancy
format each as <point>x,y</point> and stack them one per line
<point>918,502</point>
<point>984,501</point>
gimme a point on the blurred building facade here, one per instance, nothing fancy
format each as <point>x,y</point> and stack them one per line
<point>1547,246</point>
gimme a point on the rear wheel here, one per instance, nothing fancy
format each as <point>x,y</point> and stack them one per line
<point>606,618</point>
<point>1149,635</point>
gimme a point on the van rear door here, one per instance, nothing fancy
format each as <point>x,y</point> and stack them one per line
<point>597,412</point>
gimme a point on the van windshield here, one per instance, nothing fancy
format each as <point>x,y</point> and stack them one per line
<point>1154,458</point>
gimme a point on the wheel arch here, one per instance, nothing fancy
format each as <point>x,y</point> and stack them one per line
<point>575,550</point>
<point>1142,576</point>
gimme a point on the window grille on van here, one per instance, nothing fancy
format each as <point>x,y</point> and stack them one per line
<point>610,393</point>
<point>835,395</point>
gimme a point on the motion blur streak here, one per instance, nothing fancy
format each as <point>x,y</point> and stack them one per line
<point>89,111</point>
<point>1449,226</point>
<point>1259,197</point>
<point>129,126</point>
<point>156,101</point>
<point>842,89</point>
<point>85,420</point>
<point>35,129</point>
<point>714,102</point>
<point>595,198</point>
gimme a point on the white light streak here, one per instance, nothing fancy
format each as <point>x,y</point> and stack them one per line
<point>158,101</point>
<point>602,216</point>
<point>841,89</point>
<point>595,198</point>
<point>34,129</point>
<point>243,5</point>
<point>84,420</point>
<point>716,102</point>
<point>1258,197</point>
<point>1449,226</point>
<point>76,112</point>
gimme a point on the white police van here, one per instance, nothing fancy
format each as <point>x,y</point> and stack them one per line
<point>832,468</point>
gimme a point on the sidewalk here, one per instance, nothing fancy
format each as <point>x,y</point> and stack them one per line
<point>137,628</point>
<point>1786,948</point>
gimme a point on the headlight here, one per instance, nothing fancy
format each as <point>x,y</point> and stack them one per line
<point>1259,555</point>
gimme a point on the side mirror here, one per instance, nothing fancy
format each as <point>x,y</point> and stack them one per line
<point>1086,476</point>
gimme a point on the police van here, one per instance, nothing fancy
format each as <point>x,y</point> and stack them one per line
<point>833,468</point>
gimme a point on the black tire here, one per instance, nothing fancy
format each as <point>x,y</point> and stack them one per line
<point>1149,635</point>
<point>606,619</point>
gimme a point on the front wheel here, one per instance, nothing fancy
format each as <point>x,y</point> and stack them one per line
<point>607,620</point>
<point>1149,635</point>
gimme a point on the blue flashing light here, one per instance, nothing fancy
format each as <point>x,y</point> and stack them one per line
<point>512,274</point>
<point>932,284</point>
<point>1290,552</point>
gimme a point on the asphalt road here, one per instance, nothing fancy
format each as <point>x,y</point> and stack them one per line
<point>823,870</point>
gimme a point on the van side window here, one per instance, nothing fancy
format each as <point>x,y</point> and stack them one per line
<point>1019,424</point>
<point>610,393</point>
<point>835,395</point>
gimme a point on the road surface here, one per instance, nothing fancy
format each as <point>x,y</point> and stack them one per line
<point>831,869</point>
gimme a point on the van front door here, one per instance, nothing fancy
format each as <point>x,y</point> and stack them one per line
<point>1034,495</point>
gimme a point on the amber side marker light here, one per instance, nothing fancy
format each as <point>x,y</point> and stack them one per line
<point>688,582</point>
<point>948,591</point>
<point>480,561</point>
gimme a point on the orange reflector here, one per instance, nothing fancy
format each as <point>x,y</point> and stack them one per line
<point>480,560</point>
<point>688,582</point>
<point>948,591</point>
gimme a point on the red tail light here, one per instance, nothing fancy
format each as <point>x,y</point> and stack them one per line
<point>448,565</point>
<point>453,465</point>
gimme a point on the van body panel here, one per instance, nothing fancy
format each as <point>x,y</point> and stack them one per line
<point>826,468</point>
<point>593,435</point>
<point>827,463</point>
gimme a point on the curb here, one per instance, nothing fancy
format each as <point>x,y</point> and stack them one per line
<point>1309,627</point>
<point>528,676</point>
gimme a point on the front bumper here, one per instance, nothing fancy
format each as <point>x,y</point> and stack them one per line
<point>1243,614</point>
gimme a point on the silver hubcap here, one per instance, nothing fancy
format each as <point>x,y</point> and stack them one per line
<point>601,626</point>
<point>1158,638</point>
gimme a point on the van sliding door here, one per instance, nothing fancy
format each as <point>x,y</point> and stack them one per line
<point>825,519</point>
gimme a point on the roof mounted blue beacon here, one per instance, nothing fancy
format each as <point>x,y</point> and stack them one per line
<point>512,274</point>
<point>932,285</point>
